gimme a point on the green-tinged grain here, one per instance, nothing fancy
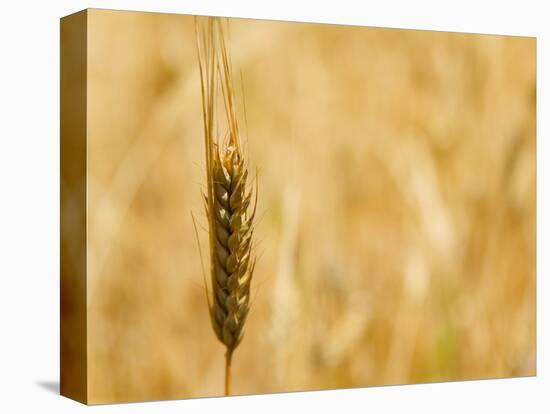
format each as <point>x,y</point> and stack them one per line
<point>228,199</point>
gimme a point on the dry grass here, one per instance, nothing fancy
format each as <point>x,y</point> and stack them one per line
<point>396,224</point>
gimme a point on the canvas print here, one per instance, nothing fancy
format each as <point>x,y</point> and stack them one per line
<point>252,206</point>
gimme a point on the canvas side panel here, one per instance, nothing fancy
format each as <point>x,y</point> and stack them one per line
<point>73,383</point>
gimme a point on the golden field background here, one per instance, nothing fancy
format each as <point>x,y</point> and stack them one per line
<point>396,211</point>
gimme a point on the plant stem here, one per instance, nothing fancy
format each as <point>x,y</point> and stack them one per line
<point>228,356</point>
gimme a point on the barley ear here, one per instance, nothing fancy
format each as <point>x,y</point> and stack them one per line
<point>228,203</point>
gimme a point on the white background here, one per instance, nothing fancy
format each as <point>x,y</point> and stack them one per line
<point>29,204</point>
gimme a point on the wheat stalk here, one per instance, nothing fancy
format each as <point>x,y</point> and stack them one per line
<point>227,198</point>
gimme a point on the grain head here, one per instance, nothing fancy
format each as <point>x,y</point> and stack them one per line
<point>228,198</point>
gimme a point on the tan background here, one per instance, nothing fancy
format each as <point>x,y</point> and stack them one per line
<point>396,224</point>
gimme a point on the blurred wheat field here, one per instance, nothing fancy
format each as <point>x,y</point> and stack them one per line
<point>396,211</point>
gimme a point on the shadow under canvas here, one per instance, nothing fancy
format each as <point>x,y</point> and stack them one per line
<point>51,386</point>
